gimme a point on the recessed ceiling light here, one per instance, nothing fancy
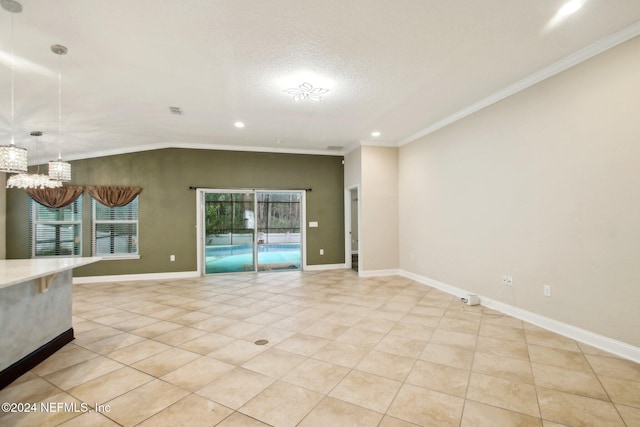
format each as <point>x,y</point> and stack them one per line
<point>570,7</point>
<point>375,134</point>
<point>239,125</point>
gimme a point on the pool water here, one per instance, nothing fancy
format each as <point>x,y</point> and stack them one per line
<point>236,258</point>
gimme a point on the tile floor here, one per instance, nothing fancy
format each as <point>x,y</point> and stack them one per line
<point>342,351</point>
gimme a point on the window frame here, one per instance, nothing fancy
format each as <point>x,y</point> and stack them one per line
<point>95,222</point>
<point>35,221</point>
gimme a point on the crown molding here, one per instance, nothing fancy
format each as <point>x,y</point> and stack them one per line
<point>532,79</point>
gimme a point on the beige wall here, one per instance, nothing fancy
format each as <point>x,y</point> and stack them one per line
<point>378,209</point>
<point>352,169</point>
<point>543,186</point>
<point>3,215</point>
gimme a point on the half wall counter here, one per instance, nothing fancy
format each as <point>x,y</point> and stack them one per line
<point>35,311</point>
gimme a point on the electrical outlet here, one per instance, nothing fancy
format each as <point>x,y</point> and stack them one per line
<point>509,281</point>
<point>504,279</point>
<point>321,251</point>
<point>546,290</point>
<point>172,257</point>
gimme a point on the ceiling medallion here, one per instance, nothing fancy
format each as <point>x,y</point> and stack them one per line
<point>306,91</point>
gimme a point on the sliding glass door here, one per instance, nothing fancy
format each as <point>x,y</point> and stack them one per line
<point>279,238</point>
<point>252,231</point>
<point>229,223</point>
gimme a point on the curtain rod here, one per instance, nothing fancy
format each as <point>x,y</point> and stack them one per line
<point>252,189</point>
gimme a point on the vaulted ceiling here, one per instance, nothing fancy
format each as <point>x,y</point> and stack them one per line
<point>401,68</point>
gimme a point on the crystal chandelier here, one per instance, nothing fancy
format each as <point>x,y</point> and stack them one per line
<point>59,170</point>
<point>32,180</point>
<point>12,159</point>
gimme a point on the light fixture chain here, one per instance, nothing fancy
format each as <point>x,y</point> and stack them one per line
<point>13,66</point>
<point>60,107</point>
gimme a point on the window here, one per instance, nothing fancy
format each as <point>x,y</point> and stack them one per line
<point>56,231</point>
<point>115,230</point>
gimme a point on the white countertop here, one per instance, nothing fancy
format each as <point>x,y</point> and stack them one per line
<point>14,271</point>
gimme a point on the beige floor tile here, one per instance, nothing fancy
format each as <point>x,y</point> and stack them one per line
<point>239,329</point>
<point>560,358</point>
<point>191,317</point>
<point>456,339</point>
<point>461,325</point>
<point>302,344</point>
<point>236,387</point>
<point>401,346</point>
<point>274,363</point>
<point>570,409</point>
<point>179,336</point>
<point>61,407</point>
<point>360,337</point>
<point>134,323</point>
<point>366,390</point>
<point>207,343</point>
<point>514,396</point>
<point>143,402</point>
<point>500,347</point>
<point>437,377</point>
<point>426,407</point>
<point>336,413</point>
<point>63,358</point>
<point>110,386</point>
<point>214,323</point>
<point>192,411</point>
<point>517,370</point>
<point>388,421</point>
<point>631,416</point>
<point>240,420</point>
<point>34,390</point>
<point>587,349</point>
<point>237,352</point>
<point>582,383</point>
<point>293,323</point>
<point>343,354</point>
<point>198,373</point>
<point>549,339</point>
<point>614,367</point>
<point>622,391</point>
<point>82,372</point>
<point>138,351</point>
<point>502,332</point>
<point>386,365</point>
<point>162,363</point>
<point>316,375</point>
<point>281,404</point>
<point>375,324</point>
<point>479,415</point>
<point>425,321</point>
<point>96,334</point>
<point>412,331</point>
<point>92,419</point>
<point>108,345</point>
<point>273,335</point>
<point>155,329</point>
<point>447,355</point>
<point>325,330</point>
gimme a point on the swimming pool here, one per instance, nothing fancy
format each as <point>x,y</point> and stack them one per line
<point>236,258</point>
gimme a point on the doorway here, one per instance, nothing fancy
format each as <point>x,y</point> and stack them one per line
<point>251,230</point>
<point>352,225</point>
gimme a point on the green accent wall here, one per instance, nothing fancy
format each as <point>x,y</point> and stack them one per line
<point>167,212</point>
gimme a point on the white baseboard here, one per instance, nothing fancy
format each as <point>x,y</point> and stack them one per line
<point>319,267</point>
<point>136,277</point>
<point>610,345</point>
<point>378,273</point>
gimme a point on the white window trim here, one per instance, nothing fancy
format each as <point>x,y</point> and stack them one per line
<point>35,223</point>
<point>118,256</point>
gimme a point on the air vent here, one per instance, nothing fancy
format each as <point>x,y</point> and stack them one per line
<point>176,110</point>
<point>335,147</point>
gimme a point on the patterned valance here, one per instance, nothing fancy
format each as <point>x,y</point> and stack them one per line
<point>113,196</point>
<point>55,197</point>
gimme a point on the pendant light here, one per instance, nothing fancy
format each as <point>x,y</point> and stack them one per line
<point>32,180</point>
<point>59,170</point>
<point>12,159</point>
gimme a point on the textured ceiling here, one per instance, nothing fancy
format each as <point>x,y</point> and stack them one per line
<point>400,67</point>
